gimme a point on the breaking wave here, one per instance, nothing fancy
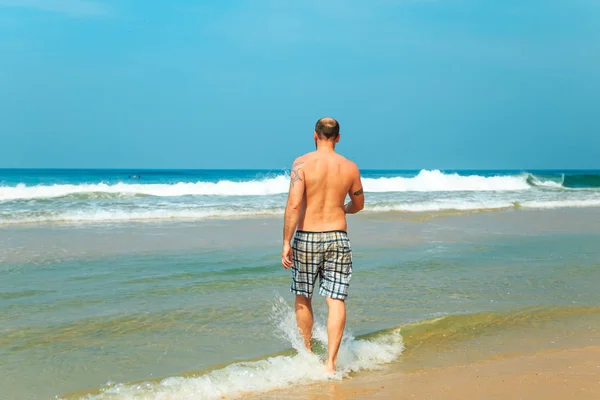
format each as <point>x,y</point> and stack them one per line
<point>428,191</point>
<point>425,181</point>
<point>369,352</point>
<point>268,374</point>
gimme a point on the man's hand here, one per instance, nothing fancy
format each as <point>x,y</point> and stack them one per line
<point>286,256</point>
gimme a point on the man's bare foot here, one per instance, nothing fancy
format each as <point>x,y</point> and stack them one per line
<point>329,368</point>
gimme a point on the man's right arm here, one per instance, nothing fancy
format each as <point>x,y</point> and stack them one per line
<point>357,196</point>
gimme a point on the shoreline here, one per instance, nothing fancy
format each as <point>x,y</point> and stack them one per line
<point>547,374</point>
<point>540,358</point>
<point>431,347</point>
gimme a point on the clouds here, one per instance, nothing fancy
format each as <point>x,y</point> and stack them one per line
<point>73,8</point>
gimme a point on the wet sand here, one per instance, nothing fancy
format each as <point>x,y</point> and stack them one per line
<point>551,374</point>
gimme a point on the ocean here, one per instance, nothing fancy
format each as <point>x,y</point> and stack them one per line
<point>34,196</point>
<point>167,284</point>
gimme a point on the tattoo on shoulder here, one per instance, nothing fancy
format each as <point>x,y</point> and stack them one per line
<point>358,192</point>
<point>295,173</point>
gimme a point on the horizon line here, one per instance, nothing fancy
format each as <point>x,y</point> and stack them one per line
<point>277,168</point>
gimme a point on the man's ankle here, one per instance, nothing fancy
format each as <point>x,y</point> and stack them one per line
<point>330,366</point>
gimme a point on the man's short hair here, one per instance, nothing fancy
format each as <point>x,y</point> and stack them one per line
<point>327,128</point>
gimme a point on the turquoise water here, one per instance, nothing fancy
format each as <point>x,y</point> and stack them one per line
<point>109,280</point>
<point>86,305</point>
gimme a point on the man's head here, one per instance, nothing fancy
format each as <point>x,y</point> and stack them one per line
<point>327,129</point>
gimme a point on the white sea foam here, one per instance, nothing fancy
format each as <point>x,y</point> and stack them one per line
<point>100,215</point>
<point>269,374</point>
<point>562,203</point>
<point>466,205</point>
<point>442,205</point>
<point>177,213</point>
<point>425,181</point>
<point>436,181</point>
<point>267,186</point>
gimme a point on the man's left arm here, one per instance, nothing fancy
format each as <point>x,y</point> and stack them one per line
<point>292,211</point>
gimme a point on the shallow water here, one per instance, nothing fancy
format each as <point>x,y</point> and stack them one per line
<point>83,305</point>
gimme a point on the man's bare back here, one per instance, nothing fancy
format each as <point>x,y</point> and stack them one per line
<point>328,178</point>
<point>315,212</point>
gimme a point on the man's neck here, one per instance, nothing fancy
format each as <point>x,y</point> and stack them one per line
<point>325,146</point>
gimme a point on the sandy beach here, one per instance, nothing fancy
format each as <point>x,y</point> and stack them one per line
<point>552,374</point>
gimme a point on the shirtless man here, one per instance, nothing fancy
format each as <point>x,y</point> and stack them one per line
<point>319,184</point>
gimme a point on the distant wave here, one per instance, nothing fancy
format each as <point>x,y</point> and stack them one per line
<point>428,191</point>
<point>535,181</point>
<point>268,186</point>
<point>437,181</point>
<point>574,181</point>
<point>425,181</point>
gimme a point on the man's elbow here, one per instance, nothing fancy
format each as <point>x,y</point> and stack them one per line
<point>359,207</point>
<point>294,206</point>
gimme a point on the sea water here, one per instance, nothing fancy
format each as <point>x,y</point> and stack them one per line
<point>35,196</point>
<point>168,285</point>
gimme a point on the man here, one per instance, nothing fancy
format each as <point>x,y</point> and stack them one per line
<point>319,184</point>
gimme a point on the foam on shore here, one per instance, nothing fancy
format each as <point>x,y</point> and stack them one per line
<point>268,374</point>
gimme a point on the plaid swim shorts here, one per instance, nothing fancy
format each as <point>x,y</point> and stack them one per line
<point>327,255</point>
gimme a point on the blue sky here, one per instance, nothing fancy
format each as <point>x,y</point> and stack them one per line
<point>449,84</point>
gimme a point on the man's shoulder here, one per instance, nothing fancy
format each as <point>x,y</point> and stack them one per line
<point>304,158</point>
<point>349,163</point>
